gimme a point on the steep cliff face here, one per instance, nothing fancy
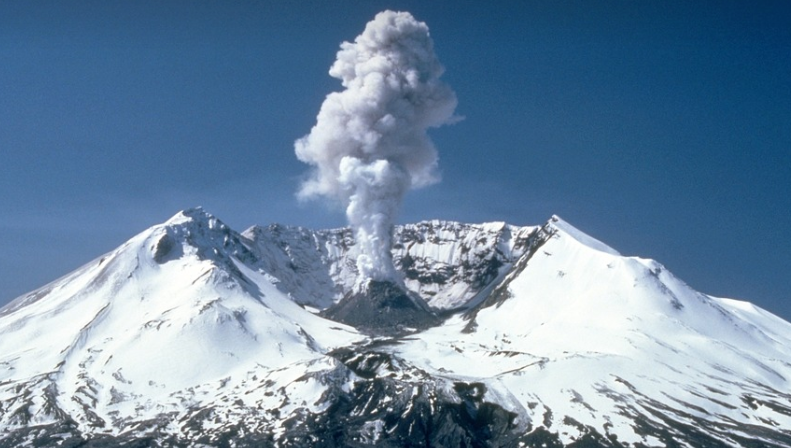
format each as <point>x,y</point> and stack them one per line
<point>448,264</point>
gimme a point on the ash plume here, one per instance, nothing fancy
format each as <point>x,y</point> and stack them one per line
<point>369,145</point>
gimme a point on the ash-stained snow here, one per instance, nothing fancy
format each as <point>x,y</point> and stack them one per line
<point>191,334</point>
<point>446,263</point>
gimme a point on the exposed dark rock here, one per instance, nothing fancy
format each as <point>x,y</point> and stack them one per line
<point>383,308</point>
<point>501,291</point>
<point>163,248</point>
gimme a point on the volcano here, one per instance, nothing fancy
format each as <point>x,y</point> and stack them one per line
<point>192,334</point>
<point>383,308</point>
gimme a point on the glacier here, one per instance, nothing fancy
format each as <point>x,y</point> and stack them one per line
<point>192,334</point>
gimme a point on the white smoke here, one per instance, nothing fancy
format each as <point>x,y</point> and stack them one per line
<point>369,145</point>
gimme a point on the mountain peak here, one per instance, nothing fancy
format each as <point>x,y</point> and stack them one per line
<point>558,224</point>
<point>196,231</point>
<point>194,214</point>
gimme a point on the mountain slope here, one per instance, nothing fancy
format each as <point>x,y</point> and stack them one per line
<point>153,328</point>
<point>580,340</point>
<point>191,334</point>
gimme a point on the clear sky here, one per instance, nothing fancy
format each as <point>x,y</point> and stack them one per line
<point>661,128</point>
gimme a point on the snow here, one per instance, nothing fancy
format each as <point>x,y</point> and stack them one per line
<point>578,235</point>
<point>101,330</point>
<point>189,314</point>
<point>317,267</point>
<point>579,318</point>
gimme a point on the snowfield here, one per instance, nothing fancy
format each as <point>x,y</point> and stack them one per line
<point>192,334</point>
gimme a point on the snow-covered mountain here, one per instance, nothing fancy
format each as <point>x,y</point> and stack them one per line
<point>191,334</point>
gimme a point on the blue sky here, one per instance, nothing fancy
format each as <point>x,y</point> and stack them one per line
<point>660,128</point>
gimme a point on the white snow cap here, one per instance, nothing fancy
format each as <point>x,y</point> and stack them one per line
<point>369,145</point>
<point>581,236</point>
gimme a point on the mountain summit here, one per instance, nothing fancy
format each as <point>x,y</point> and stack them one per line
<point>191,334</point>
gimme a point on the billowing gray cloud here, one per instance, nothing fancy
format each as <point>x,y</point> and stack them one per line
<point>369,145</point>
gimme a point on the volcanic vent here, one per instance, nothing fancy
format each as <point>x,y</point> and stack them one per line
<point>383,308</point>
